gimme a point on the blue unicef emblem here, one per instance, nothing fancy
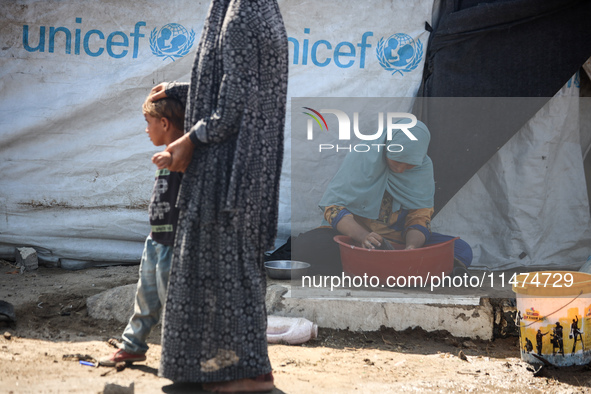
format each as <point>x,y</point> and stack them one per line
<point>399,53</point>
<point>171,41</point>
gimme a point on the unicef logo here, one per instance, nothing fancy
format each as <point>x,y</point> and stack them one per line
<point>171,41</point>
<point>399,53</point>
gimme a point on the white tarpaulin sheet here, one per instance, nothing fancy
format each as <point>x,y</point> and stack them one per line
<point>528,205</point>
<point>75,163</point>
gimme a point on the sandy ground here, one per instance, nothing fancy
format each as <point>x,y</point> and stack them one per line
<point>52,322</point>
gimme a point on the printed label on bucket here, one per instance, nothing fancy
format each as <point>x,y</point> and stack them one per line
<point>555,329</point>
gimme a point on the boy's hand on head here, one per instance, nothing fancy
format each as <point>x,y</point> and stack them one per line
<point>162,159</point>
<point>158,92</point>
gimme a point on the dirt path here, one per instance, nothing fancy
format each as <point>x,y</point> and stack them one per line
<point>52,322</point>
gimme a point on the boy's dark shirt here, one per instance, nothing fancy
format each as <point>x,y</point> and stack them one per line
<point>163,212</point>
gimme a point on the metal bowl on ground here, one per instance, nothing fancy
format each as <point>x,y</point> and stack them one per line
<point>286,269</point>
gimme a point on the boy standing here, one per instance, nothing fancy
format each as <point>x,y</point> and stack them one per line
<point>165,120</point>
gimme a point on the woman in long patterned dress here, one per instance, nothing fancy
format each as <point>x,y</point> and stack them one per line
<point>214,328</point>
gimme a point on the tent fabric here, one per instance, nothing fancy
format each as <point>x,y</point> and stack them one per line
<point>74,156</point>
<point>517,48</point>
<point>528,205</point>
<point>509,176</point>
<point>75,163</point>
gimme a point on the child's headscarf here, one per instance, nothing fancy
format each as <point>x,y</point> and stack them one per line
<point>360,182</point>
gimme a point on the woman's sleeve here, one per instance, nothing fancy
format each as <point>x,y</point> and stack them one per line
<point>419,219</point>
<point>241,67</point>
<point>334,213</point>
<point>178,90</point>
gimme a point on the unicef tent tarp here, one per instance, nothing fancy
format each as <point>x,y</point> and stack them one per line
<point>75,163</point>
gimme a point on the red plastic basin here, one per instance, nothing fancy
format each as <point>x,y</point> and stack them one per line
<point>432,260</point>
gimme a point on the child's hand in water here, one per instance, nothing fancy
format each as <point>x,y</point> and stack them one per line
<point>162,159</point>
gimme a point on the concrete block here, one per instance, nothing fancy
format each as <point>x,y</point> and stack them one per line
<point>116,303</point>
<point>274,297</point>
<point>476,321</point>
<point>27,258</point>
<point>471,318</point>
<point>467,317</point>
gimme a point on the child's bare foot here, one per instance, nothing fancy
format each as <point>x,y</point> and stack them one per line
<point>260,384</point>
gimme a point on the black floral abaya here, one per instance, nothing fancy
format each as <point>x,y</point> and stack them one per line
<point>215,318</point>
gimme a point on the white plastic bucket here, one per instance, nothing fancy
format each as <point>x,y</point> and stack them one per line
<point>554,317</point>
